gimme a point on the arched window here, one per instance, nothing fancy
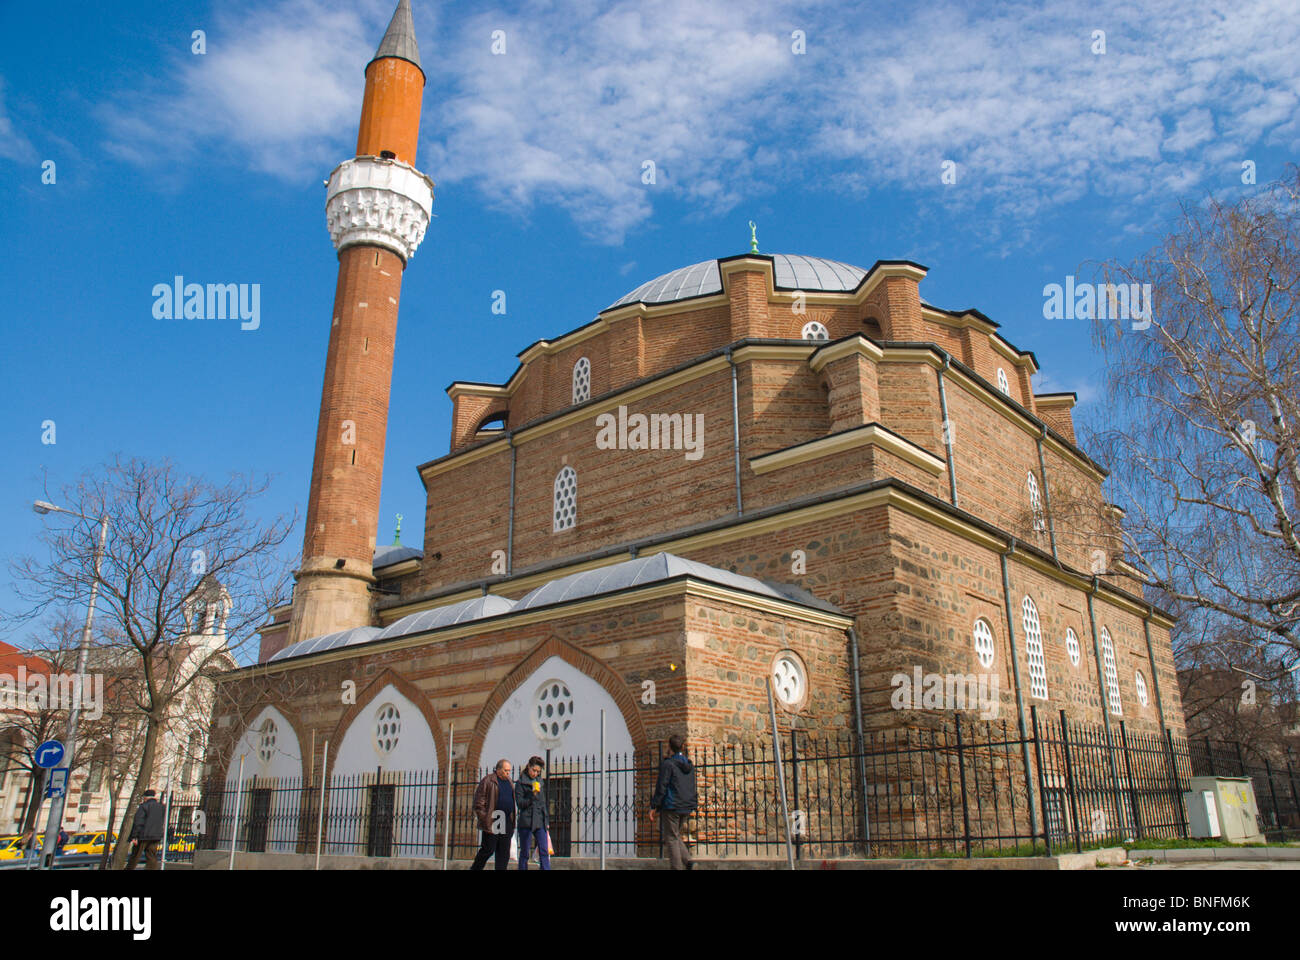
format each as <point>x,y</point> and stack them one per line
<point>1112,674</point>
<point>1002,382</point>
<point>566,499</point>
<point>1035,502</point>
<point>98,764</point>
<point>1072,646</point>
<point>582,380</point>
<point>193,756</point>
<point>982,634</point>
<point>1141,683</point>
<point>815,331</point>
<point>1034,650</point>
<point>200,616</point>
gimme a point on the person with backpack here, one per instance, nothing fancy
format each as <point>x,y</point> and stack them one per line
<point>675,797</point>
<point>147,831</point>
<point>534,822</point>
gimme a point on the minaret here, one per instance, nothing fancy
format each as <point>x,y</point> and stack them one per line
<point>377,207</point>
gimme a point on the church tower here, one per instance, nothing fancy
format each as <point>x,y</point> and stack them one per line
<point>377,206</point>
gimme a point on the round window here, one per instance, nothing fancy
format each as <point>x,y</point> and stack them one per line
<point>983,637</point>
<point>266,744</point>
<point>388,724</point>
<point>553,710</point>
<point>788,680</point>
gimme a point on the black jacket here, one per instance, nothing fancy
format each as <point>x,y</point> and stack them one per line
<point>531,804</point>
<point>675,791</point>
<point>148,822</point>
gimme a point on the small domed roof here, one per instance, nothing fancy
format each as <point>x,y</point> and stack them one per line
<point>789,272</point>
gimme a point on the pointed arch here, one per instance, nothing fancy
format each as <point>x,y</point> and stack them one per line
<point>581,661</point>
<point>229,764</point>
<point>370,694</point>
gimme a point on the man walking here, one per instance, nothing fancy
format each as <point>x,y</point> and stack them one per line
<point>675,797</point>
<point>534,820</point>
<point>494,808</point>
<point>147,831</point>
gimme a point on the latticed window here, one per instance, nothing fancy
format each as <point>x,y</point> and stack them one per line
<point>1140,682</point>
<point>582,380</point>
<point>1035,501</point>
<point>1003,385</point>
<point>815,331</point>
<point>554,709</point>
<point>788,680</point>
<point>266,745</point>
<point>982,634</point>
<point>388,724</point>
<point>1072,646</point>
<point>1034,650</point>
<point>566,499</point>
<point>1112,674</point>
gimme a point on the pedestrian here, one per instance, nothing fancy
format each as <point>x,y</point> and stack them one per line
<point>534,819</point>
<point>494,807</point>
<point>60,842</point>
<point>147,832</point>
<point>675,797</point>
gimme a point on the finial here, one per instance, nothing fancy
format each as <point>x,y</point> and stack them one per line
<point>753,237</point>
<point>397,535</point>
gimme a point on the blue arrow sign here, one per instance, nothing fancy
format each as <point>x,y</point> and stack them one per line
<point>48,754</point>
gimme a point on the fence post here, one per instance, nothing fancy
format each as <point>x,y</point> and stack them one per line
<point>234,829</point>
<point>320,814</point>
<point>1272,790</point>
<point>1241,761</point>
<point>1176,782</point>
<point>780,774</point>
<point>603,813</point>
<point>1295,799</point>
<point>1128,775</point>
<point>451,770</point>
<point>1042,784</point>
<point>794,776</point>
<point>1069,780</point>
<point>961,774</point>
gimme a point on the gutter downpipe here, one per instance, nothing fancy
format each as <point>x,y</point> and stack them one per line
<point>1047,492</point>
<point>510,528</point>
<point>857,726</point>
<point>1155,680</point>
<point>947,427</point>
<point>1020,695</point>
<point>1104,690</point>
<point>735,430</point>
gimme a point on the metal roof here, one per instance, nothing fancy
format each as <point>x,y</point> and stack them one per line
<point>390,553</point>
<point>328,641</point>
<point>477,609</point>
<point>631,573</point>
<point>789,272</point>
<point>399,39</point>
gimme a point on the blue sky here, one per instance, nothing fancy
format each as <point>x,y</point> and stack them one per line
<point>211,166</point>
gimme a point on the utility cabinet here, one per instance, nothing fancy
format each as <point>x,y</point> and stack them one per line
<point>1223,808</point>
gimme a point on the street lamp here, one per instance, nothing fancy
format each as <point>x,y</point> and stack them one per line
<point>57,804</point>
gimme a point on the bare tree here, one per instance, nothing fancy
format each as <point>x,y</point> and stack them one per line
<point>168,533</point>
<point>1202,428</point>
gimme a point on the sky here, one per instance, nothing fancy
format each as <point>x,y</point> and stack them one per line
<point>1005,147</point>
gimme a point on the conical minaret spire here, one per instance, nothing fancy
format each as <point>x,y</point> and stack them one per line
<point>399,40</point>
<point>377,207</point>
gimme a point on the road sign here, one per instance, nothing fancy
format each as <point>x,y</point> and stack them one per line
<point>49,753</point>
<point>57,784</point>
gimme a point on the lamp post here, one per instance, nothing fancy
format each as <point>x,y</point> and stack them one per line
<point>74,710</point>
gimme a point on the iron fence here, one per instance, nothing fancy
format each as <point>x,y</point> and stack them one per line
<point>969,788</point>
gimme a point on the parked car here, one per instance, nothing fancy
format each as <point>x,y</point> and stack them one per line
<point>182,843</point>
<point>87,843</point>
<point>11,847</point>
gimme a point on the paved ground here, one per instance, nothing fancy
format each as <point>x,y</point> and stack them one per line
<point>1226,865</point>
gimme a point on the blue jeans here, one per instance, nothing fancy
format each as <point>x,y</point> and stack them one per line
<point>527,840</point>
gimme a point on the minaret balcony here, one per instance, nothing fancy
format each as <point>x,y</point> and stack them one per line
<point>378,201</point>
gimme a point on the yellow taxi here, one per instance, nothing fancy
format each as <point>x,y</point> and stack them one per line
<point>11,847</point>
<point>182,843</point>
<point>87,842</point>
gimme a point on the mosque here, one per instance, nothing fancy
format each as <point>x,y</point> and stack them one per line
<point>757,468</point>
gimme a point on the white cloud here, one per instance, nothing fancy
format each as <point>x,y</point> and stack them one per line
<point>587,92</point>
<point>13,145</point>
